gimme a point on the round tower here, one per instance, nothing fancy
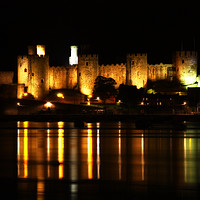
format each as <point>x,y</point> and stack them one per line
<point>186,67</point>
<point>33,72</point>
<point>136,71</point>
<point>87,73</point>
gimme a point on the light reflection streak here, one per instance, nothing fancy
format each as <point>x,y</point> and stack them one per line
<point>119,152</point>
<point>22,149</point>
<point>61,149</point>
<point>18,151</point>
<point>73,156</point>
<point>185,158</point>
<point>40,189</point>
<point>142,156</point>
<point>25,153</point>
<point>90,152</point>
<point>48,151</point>
<point>98,151</point>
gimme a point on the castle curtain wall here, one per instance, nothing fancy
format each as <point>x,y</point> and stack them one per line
<point>158,71</point>
<point>6,77</point>
<point>117,72</point>
<point>37,77</point>
<point>63,77</point>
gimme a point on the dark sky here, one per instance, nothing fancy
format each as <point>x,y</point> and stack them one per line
<point>110,28</point>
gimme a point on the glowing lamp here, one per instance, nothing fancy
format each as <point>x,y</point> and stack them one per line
<point>60,95</point>
<point>25,94</point>
<point>48,104</point>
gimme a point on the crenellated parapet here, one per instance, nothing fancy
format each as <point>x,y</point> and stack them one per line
<point>88,56</point>
<point>133,55</point>
<point>186,54</point>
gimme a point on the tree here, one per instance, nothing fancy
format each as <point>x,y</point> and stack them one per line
<point>104,88</point>
<point>130,95</point>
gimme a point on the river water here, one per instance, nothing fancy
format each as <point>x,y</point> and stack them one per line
<point>58,160</point>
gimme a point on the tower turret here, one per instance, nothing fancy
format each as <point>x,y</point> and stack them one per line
<point>186,67</point>
<point>88,70</point>
<point>136,71</point>
<point>33,72</point>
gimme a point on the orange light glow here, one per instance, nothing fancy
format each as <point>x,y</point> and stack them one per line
<point>25,153</point>
<point>25,124</point>
<point>25,94</point>
<point>60,150</point>
<point>48,104</point>
<point>60,125</point>
<point>60,95</point>
<point>90,152</point>
<point>40,50</point>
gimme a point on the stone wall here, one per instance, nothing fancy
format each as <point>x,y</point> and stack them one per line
<point>33,71</point>
<point>117,72</point>
<point>186,66</point>
<point>158,71</point>
<point>6,77</point>
<point>88,70</point>
<point>63,77</point>
<point>137,69</point>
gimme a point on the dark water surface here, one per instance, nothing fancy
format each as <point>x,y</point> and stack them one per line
<point>57,160</point>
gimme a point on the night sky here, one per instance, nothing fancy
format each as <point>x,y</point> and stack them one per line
<point>110,28</point>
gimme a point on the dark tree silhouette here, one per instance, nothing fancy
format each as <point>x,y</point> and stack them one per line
<point>104,88</point>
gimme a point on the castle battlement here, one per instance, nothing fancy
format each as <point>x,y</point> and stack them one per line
<point>121,65</point>
<point>88,56</point>
<point>37,76</point>
<point>186,54</point>
<point>137,55</point>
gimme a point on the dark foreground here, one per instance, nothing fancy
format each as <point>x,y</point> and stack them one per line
<point>115,159</point>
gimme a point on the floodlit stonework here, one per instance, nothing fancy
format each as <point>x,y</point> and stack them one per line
<point>37,77</point>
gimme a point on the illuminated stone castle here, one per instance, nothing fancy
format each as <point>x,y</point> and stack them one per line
<point>36,77</point>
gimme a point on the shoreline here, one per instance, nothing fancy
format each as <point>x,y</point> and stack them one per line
<point>99,118</point>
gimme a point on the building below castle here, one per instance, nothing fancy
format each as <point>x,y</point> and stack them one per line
<point>37,78</point>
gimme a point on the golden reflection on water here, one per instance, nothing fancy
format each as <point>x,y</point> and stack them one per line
<point>90,152</point>
<point>94,152</point>
<point>51,146</point>
<point>22,149</point>
<point>191,153</point>
<point>61,149</point>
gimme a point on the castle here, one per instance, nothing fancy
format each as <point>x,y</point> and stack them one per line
<point>36,77</point>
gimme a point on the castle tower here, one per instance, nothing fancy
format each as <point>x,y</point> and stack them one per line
<point>186,67</point>
<point>136,70</point>
<point>33,72</point>
<point>73,60</point>
<point>88,70</point>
